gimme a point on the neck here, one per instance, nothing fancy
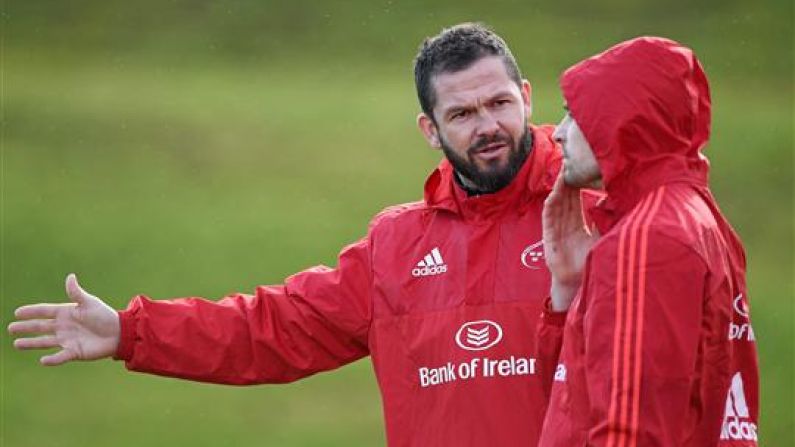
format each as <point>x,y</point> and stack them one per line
<point>468,185</point>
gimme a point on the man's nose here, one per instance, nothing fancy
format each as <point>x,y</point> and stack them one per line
<point>488,125</point>
<point>557,135</point>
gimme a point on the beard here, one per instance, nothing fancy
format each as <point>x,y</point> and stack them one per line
<point>491,178</point>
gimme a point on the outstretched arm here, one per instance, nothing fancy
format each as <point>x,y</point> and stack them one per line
<point>84,329</point>
<point>317,320</point>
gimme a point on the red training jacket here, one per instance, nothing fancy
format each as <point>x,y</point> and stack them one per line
<point>444,295</point>
<point>658,348</point>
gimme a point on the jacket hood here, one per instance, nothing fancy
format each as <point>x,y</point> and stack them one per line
<point>644,108</point>
<point>535,179</point>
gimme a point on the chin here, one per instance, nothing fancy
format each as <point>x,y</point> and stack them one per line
<point>576,182</point>
<point>595,184</point>
<point>493,166</point>
<point>569,179</point>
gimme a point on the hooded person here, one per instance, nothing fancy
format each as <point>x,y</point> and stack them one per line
<point>649,321</point>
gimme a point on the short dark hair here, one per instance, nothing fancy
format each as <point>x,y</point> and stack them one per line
<point>454,49</point>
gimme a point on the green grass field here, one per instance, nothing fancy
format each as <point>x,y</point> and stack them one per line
<point>152,164</point>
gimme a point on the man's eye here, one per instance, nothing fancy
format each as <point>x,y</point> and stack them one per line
<point>459,115</point>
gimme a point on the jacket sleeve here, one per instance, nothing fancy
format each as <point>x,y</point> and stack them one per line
<point>642,331</point>
<point>318,320</point>
<point>549,340</point>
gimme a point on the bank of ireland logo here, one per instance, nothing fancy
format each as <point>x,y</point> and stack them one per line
<point>532,255</point>
<point>478,335</point>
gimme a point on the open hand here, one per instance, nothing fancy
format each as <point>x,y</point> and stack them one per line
<point>84,329</point>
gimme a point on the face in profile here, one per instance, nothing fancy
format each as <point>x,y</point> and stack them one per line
<point>580,169</point>
<point>480,121</point>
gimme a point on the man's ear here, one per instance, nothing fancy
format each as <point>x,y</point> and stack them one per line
<point>527,98</point>
<point>429,130</point>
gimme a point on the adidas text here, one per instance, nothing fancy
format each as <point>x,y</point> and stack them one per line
<point>429,271</point>
<point>735,429</point>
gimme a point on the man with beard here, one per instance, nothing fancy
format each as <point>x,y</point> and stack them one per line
<point>442,294</point>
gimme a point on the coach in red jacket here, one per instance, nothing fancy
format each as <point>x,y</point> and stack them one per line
<point>443,294</point>
<point>658,348</point>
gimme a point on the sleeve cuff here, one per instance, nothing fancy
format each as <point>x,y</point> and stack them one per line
<point>551,317</point>
<point>127,337</point>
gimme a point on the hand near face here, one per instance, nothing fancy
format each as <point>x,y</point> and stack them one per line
<point>84,329</point>
<point>567,242</point>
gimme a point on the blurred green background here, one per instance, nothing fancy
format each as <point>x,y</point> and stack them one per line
<point>178,148</point>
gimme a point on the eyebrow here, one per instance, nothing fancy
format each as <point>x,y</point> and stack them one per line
<point>457,108</point>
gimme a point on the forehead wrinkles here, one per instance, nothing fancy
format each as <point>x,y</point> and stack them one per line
<point>479,82</point>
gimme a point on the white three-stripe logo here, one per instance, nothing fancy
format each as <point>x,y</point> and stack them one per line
<point>736,406</point>
<point>737,423</point>
<point>431,264</point>
<point>431,259</point>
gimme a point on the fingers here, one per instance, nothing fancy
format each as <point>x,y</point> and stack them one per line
<point>40,310</point>
<point>562,194</point>
<point>559,182</point>
<point>75,292</point>
<point>59,358</point>
<point>557,189</point>
<point>553,201</point>
<point>563,210</point>
<point>32,327</point>
<point>43,342</point>
<point>46,342</point>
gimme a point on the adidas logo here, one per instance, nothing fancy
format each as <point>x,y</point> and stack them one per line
<point>431,264</point>
<point>736,422</point>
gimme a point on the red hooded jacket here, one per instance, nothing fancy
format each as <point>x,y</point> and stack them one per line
<point>444,296</point>
<point>657,348</point>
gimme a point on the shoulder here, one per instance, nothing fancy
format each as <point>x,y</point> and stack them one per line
<point>394,214</point>
<point>684,217</point>
<point>651,252</point>
<point>653,237</point>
